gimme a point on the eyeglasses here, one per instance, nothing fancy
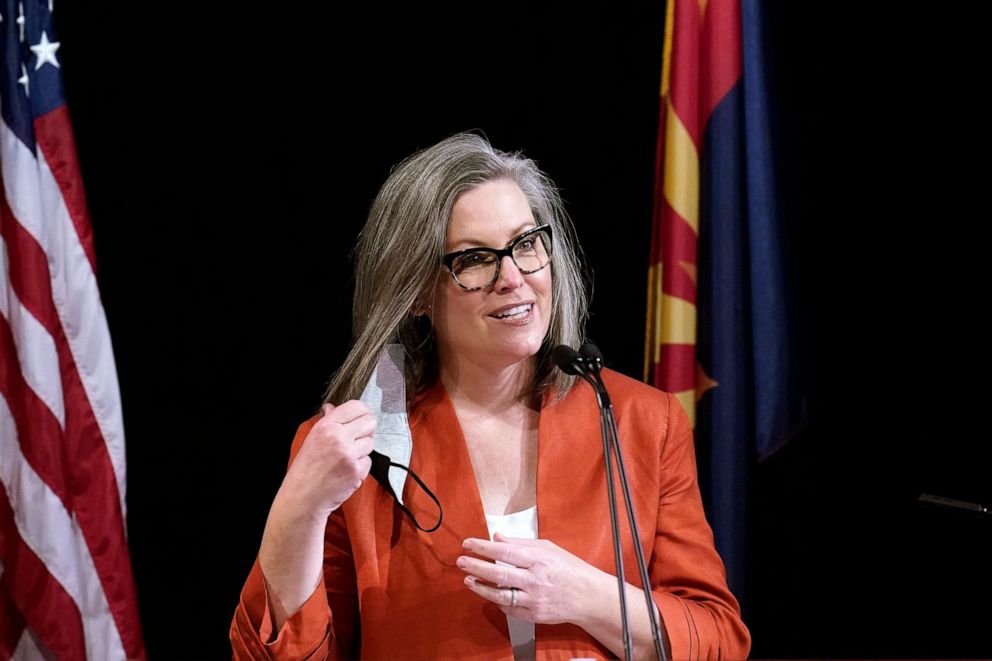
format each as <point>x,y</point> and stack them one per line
<point>476,268</point>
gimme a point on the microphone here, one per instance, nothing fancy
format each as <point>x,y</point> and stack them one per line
<point>567,360</point>
<point>588,360</point>
<point>592,356</point>
<point>588,363</point>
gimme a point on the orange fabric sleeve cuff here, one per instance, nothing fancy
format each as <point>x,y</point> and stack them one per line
<point>679,625</point>
<point>303,633</point>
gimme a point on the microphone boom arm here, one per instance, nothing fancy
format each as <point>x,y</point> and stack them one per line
<point>588,365</point>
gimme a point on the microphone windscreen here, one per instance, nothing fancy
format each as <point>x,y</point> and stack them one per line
<point>590,350</point>
<point>564,358</point>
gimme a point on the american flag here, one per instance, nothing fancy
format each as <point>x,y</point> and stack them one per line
<point>66,588</point>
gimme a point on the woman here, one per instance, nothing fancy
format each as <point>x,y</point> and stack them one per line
<point>470,263</point>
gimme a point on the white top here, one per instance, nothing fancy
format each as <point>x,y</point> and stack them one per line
<point>521,524</point>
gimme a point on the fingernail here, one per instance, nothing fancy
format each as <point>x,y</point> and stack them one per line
<point>461,561</point>
<point>467,544</point>
<point>469,581</point>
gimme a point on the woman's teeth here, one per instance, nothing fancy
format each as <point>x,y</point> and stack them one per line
<point>518,311</point>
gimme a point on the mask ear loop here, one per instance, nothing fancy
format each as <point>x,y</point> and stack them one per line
<point>380,467</point>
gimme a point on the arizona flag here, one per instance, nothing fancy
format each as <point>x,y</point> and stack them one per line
<point>66,589</point>
<point>720,326</point>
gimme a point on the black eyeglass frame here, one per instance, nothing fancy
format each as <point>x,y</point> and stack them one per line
<point>449,259</point>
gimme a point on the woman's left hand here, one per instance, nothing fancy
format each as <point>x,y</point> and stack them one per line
<point>551,584</point>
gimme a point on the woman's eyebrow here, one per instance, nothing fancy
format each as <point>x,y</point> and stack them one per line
<point>530,224</point>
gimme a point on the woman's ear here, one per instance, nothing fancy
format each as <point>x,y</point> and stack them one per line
<point>421,307</point>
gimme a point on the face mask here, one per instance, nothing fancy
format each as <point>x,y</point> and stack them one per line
<point>385,394</point>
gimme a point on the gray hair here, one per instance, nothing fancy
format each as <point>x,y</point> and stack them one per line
<point>398,262</point>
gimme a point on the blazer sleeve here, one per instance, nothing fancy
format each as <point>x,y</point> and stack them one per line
<point>688,579</point>
<point>326,626</point>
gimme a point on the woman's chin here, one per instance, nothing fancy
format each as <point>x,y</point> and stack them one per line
<point>520,350</point>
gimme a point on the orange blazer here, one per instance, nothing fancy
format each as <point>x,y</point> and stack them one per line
<point>390,591</point>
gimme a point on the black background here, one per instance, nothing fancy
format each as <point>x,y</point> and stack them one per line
<point>230,154</point>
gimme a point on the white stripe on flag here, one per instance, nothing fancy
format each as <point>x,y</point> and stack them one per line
<point>28,649</point>
<point>55,537</point>
<point>36,352</point>
<point>37,203</point>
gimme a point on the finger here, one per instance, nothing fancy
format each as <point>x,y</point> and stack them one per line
<point>350,410</point>
<point>493,573</point>
<point>499,596</point>
<point>520,541</point>
<point>518,612</point>
<point>361,426</point>
<point>518,555</point>
<point>364,466</point>
<point>363,446</point>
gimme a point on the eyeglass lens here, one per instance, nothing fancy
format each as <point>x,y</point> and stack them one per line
<point>478,268</point>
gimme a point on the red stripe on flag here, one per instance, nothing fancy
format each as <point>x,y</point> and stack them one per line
<point>48,609</point>
<point>85,467</point>
<point>40,436</point>
<point>27,263</point>
<point>11,620</point>
<point>53,133</point>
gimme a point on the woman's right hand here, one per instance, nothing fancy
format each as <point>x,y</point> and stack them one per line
<point>333,460</point>
<point>329,467</point>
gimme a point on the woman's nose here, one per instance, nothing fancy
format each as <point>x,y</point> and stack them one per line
<point>510,276</point>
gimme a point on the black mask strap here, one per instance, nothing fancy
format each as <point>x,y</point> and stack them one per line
<point>380,471</point>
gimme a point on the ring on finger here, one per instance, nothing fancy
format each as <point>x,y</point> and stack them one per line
<point>513,597</point>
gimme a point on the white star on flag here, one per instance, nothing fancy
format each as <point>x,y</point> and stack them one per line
<point>45,51</point>
<point>20,18</point>
<point>23,80</point>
